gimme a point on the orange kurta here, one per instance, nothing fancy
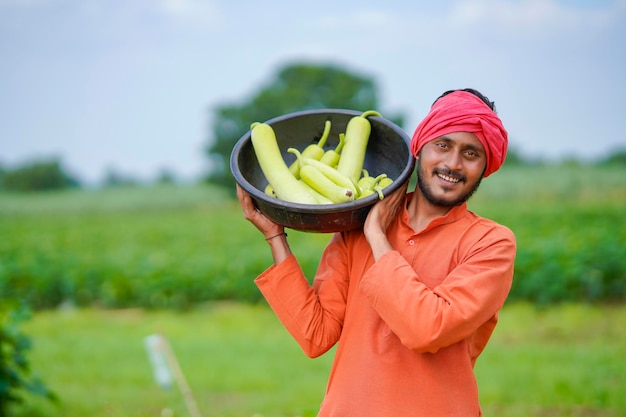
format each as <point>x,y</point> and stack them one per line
<point>409,326</point>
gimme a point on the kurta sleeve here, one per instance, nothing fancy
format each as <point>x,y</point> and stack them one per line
<point>428,319</point>
<point>313,314</point>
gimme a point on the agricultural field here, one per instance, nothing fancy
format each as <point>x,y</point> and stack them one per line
<point>238,361</point>
<point>102,269</point>
<point>175,247</point>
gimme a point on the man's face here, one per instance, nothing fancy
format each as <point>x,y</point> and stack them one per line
<point>450,168</point>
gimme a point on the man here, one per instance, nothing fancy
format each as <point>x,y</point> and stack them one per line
<point>412,298</point>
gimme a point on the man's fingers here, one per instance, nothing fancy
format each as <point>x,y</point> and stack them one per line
<point>246,203</point>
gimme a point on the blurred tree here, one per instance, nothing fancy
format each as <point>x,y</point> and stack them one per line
<point>16,375</point>
<point>514,157</point>
<point>165,176</point>
<point>297,87</point>
<point>113,178</point>
<point>37,176</point>
<point>616,158</point>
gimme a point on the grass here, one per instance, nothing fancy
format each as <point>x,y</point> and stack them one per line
<point>560,361</point>
<point>237,359</point>
<point>563,361</point>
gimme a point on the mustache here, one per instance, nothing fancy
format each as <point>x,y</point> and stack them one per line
<point>450,173</point>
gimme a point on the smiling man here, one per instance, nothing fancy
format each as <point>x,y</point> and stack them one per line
<point>412,299</point>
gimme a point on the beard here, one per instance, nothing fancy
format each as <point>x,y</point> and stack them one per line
<point>443,202</point>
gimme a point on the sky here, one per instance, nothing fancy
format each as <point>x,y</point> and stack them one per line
<point>132,86</point>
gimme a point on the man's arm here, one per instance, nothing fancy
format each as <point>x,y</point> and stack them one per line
<point>428,319</point>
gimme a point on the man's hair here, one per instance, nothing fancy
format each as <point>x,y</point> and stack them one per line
<point>491,104</point>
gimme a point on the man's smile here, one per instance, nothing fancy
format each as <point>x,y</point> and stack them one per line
<point>450,177</point>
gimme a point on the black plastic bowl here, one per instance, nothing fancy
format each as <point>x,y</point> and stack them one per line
<point>388,152</point>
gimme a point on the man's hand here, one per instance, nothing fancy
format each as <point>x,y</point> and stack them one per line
<point>380,218</point>
<point>273,232</point>
<point>256,217</point>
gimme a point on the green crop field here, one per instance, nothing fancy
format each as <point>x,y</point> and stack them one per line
<point>563,361</point>
<point>102,269</point>
<point>175,247</point>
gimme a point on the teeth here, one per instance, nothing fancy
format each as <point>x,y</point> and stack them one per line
<point>449,179</point>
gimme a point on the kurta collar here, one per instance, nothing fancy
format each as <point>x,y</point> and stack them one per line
<point>455,213</point>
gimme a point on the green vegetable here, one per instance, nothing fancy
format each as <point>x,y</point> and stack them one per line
<point>323,185</point>
<point>285,185</point>
<point>315,150</point>
<point>385,182</point>
<point>329,172</point>
<point>367,182</point>
<point>353,153</point>
<point>331,156</point>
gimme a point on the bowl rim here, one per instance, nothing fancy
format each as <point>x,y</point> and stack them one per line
<point>320,208</point>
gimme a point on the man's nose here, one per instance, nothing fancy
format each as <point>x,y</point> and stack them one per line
<point>454,160</point>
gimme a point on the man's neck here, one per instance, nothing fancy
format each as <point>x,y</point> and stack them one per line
<point>422,212</point>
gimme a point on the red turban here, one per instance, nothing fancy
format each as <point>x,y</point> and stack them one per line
<point>461,111</point>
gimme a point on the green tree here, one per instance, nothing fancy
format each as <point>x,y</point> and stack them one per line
<point>616,158</point>
<point>37,176</point>
<point>114,178</point>
<point>515,158</point>
<point>296,87</point>
<point>166,176</point>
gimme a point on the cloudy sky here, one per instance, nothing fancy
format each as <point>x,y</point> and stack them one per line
<point>131,85</point>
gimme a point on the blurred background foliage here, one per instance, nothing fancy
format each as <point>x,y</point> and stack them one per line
<point>16,376</point>
<point>173,246</point>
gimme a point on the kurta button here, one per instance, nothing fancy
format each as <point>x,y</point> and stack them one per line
<point>411,242</point>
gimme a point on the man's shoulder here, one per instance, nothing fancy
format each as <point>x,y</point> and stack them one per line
<point>491,225</point>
